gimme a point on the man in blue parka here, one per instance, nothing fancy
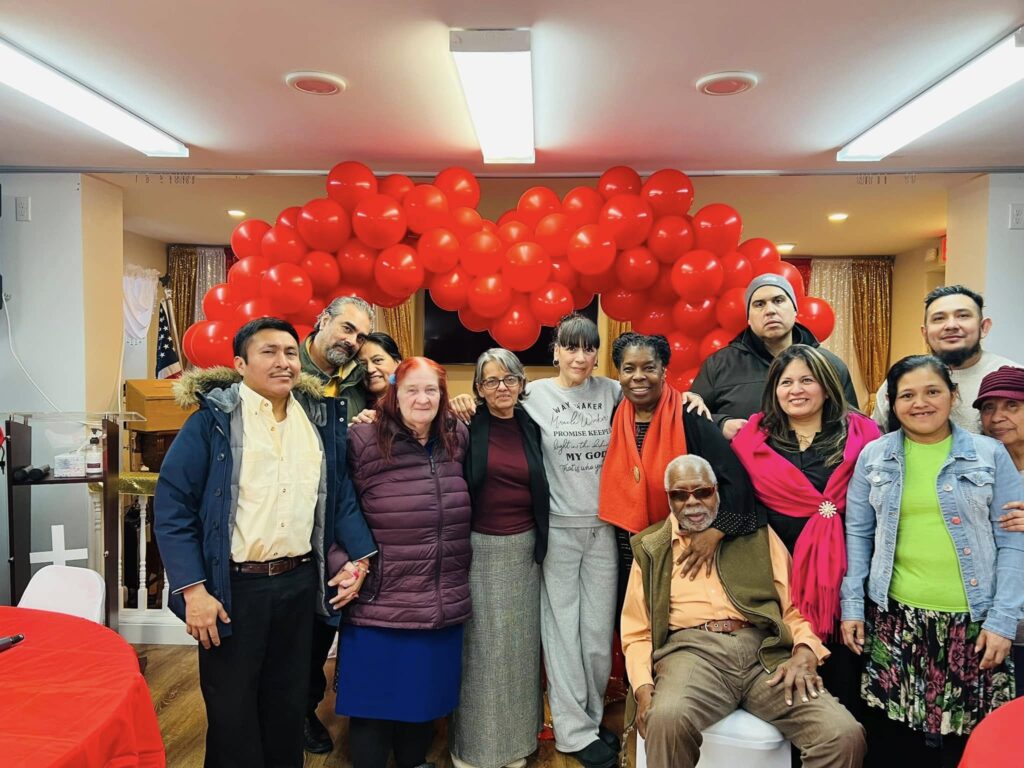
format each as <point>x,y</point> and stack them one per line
<point>252,492</point>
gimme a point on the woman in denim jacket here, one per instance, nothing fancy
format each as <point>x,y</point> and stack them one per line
<point>945,582</point>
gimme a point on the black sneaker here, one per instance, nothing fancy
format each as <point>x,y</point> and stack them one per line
<point>315,738</point>
<point>596,754</point>
<point>609,737</point>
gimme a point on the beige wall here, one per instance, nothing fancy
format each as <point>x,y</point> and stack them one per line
<point>912,278</point>
<point>102,266</point>
<point>967,225</point>
<point>147,253</point>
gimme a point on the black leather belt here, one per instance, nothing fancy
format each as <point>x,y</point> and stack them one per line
<point>271,567</point>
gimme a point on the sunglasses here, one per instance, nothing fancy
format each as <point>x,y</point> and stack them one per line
<point>701,494</point>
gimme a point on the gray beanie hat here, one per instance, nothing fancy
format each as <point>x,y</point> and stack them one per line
<point>769,278</point>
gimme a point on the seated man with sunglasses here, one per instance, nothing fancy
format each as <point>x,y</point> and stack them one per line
<point>698,648</point>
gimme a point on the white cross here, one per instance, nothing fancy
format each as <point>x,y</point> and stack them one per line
<point>59,555</point>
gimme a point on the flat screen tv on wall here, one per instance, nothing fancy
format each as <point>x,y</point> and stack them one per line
<point>449,342</point>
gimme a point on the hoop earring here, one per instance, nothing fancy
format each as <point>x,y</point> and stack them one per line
<point>554,363</point>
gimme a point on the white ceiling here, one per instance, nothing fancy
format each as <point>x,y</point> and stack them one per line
<point>613,82</point>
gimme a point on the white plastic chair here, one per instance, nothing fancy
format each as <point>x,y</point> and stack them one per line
<point>739,739</point>
<point>65,589</point>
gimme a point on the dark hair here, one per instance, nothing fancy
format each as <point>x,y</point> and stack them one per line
<point>389,415</point>
<point>657,344</point>
<point>905,366</point>
<point>954,290</point>
<point>576,330</point>
<point>385,342</point>
<point>244,335</point>
<point>833,414</point>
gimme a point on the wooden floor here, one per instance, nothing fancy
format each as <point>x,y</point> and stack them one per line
<point>172,672</point>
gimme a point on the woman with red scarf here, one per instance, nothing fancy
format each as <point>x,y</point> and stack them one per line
<point>800,452</point>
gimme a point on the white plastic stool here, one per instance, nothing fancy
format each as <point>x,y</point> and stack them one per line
<point>737,740</point>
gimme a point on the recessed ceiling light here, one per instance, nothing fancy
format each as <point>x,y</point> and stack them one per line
<point>785,247</point>
<point>316,83</point>
<point>838,216</point>
<point>726,83</point>
<point>235,213</point>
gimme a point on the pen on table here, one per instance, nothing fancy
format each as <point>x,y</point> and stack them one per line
<point>10,641</point>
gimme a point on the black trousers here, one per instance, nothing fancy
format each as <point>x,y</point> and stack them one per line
<point>370,742</point>
<point>254,684</point>
<point>894,745</point>
<point>323,636</point>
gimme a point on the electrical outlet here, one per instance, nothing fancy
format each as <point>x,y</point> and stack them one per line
<point>23,209</point>
<point>1016,215</point>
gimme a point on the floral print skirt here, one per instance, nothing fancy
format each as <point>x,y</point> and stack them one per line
<point>922,670</point>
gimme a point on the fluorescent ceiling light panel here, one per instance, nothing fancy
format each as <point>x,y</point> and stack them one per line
<point>497,78</point>
<point>996,69</point>
<point>55,89</point>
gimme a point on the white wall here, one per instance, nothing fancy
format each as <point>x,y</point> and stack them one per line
<point>1004,278</point>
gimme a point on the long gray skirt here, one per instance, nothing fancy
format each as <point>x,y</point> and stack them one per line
<point>500,709</point>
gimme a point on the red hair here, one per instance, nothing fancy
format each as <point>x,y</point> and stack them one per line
<point>389,419</point>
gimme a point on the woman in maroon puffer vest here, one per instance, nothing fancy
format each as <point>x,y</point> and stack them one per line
<point>400,644</point>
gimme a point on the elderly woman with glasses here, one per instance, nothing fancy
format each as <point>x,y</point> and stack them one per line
<point>500,710</point>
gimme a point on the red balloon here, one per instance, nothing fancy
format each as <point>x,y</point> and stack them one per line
<point>669,192</point>
<point>350,182</point>
<point>348,289</point>
<point>622,304</point>
<point>307,315</point>
<point>698,275</point>
<point>379,221</point>
<point>324,224</point>
<point>356,260</point>
<point>816,316</point>
<point>472,321</point>
<point>287,287</point>
<point>654,320</point>
<point>245,275</point>
<point>695,320</point>
<point>303,330</point>
<point>439,250</point>
<point>717,228</point>
<point>628,218</point>
<point>591,249</point>
<point>685,351</point>
<point>527,267</point>
<point>211,343</point>
<point>252,309</point>
<point>683,381</point>
<point>289,217</point>
<point>731,310</point>
<point>489,226</point>
<point>220,301</point>
<point>599,283</point>
<point>187,337</point>
<point>713,341</point>
<point>562,272</point>
<point>398,271</point>
<point>552,234</point>
<point>459,186</point>
<point>670,238</point>
<point>513,231</point>
<point>381,298</point>
<point>395,186</point>
<point>738,271</point>
<point>465,221</point>
<point>283,245</point>
<point>247,238</point>
<point>761,252</point>
<point>662,291</point>
<point>425,207</point>
<point>619,180</point>
<point>482,254</point>
<point>506,217</point>
<point>550,303</point>
<point>489,296</point>
<point>536,203</point>
<point>581,298</point>
<point>516,328</point>
<point>582,205</point>
<point>449,289</point>
<point>322,269</point>
<point>792,274</point>
<point>636,268</point>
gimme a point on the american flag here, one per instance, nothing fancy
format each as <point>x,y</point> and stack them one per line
<point>167,364</point>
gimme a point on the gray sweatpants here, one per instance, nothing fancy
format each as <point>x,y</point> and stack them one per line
<point>577,619</point>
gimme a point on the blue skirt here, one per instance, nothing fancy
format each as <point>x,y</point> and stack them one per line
<point>410,675</point>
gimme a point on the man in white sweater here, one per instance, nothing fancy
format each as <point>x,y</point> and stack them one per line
<point>954,325</point>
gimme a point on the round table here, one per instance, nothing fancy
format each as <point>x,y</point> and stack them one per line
<point>73,696</point>
<point>995,741</point>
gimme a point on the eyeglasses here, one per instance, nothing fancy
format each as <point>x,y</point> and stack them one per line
<point>701,494</point>
<point>509,381</point>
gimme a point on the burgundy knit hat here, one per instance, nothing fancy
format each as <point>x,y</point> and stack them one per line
<point>1004,382</point>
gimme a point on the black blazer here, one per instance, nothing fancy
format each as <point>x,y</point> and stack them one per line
<point>476,468</point>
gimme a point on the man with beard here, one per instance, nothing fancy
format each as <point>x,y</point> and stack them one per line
<point>329,354</point>
<point>954,325</point>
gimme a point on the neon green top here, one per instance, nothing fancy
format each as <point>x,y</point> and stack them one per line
<point>926,569</point>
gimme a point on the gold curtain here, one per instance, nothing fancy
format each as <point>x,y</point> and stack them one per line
<point>398,321</point>
<point>615,329</point>
<point>872,320</point>
<point>183,266</point>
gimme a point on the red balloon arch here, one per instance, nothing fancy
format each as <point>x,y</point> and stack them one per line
<point>634,242</point>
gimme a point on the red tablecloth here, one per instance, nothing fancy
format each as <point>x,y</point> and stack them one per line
<point>995,741</point>
<point>71,695</point>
